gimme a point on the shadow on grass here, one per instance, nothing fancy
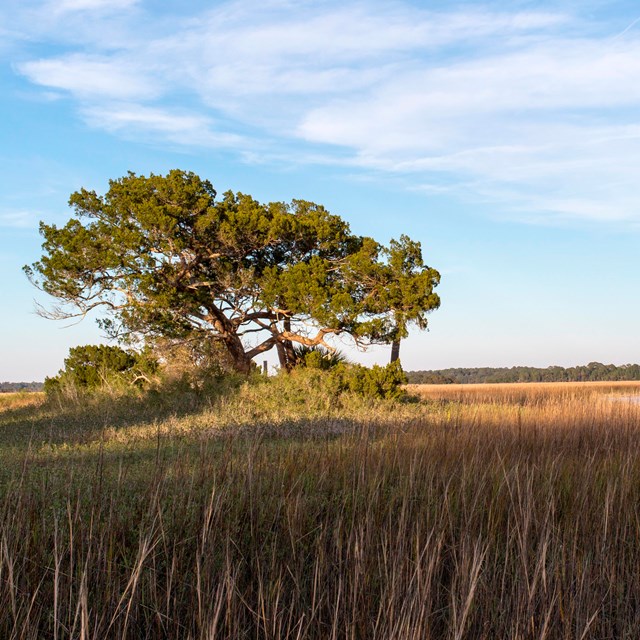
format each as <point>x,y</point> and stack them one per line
<point>181,456</point>
<point>83,419</point>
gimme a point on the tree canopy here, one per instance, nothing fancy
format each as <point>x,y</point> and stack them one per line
<point>165,258</point>
<point>408,293</point>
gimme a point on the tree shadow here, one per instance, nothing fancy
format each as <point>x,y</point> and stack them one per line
<point>84,419</point>
<point>65,462</point>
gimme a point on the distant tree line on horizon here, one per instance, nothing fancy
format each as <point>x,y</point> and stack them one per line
<point>13,387</point>
<point>593,372</point>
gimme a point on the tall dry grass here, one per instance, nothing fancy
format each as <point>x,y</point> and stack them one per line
<point>502,514</point>
<point>524,392</point>
<point>19,399</point>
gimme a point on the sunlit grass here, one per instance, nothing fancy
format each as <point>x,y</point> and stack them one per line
<point>20,399</point>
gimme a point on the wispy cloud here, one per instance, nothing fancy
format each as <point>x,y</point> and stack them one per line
<point>179,127</point>
<point>91,5</point>
<point>17,219</point>
<point>89,77</point>
<point>535,111</point>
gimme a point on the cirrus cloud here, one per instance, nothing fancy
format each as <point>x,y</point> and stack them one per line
<point>534,111</point>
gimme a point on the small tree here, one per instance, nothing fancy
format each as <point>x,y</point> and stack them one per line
<point>92,366</point>
<point>409,294</point>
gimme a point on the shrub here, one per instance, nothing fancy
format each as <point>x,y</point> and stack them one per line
<point>336,374</point>
<point>93,366</point>
<point>374,382</point>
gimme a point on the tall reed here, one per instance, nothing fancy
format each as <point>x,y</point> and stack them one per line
<point>503,516</point>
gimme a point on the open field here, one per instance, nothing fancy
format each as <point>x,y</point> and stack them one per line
<point>524,392</point>
<point>275,510</point>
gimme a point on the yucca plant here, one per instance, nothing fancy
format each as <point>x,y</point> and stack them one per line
<point>318,357</point>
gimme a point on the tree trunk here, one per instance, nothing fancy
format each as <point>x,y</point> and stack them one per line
<point>282,356</point>
<point>395,350</point>
<point>241,362</point>
<point>286,352</point>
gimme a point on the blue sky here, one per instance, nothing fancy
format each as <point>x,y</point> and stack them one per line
<point>505,136</point>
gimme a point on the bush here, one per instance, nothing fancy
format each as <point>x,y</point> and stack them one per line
<point>93,366</point>
<point>374,382</point>
<point>343,376</point>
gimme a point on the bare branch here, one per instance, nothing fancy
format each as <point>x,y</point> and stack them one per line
<point>261,348</point>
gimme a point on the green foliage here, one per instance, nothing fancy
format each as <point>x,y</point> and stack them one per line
<point>93,366</point>
<point>164,258</point>
<point>318,358</point>
<point>374,382</point>
<point>332,373</point>
<point>409,285</point>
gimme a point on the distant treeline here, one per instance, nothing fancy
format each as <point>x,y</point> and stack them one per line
<point>594,371</point>
<point>12,387</point>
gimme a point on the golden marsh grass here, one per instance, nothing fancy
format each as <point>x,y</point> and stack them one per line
<point>274,511</point>
<point>20,399</point>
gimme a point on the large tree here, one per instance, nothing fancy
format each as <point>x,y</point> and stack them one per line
<point>164,257</point>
